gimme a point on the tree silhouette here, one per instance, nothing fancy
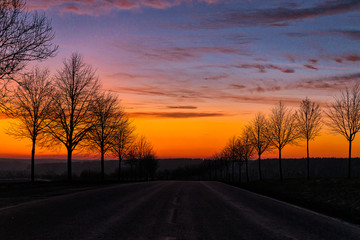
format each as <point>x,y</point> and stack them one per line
<point>258,136</point>
<point>141,156</point>
<point>24,37</point>
<point>247,148</point>
<point>344,116</point>
<point>106,115</point>
<point>282,130</point>
<point>30,105</point>
<point>75,89</point>
<point>146,157</point>
<point>309,123</point>
<point>230,154</point>
<point>122,139</point>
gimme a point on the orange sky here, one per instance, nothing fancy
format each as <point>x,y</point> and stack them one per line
<point>189,138</point>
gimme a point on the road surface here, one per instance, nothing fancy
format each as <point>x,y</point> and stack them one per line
<point>167,210</point>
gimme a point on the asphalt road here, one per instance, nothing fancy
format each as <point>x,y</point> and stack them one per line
<point>168,210</point>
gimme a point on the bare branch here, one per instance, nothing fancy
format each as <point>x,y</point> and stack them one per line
<point>24,36</point>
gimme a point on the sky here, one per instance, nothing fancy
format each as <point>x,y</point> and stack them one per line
<point>192,73</point>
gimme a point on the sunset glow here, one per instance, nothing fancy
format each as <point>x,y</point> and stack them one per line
<point>192,73</point>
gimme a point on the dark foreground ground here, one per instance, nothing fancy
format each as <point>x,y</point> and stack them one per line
<point>337,197</point>
<point>167,210</point>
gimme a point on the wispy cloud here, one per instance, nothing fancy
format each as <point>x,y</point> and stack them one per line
<point>311,66</point>
<point>237,86</point>
<point>353,57</point>
<point>280,16</point>
<point>217,77</point>
<point>335,82</point>
<point>181,107</point>
<point>351,34</point>
<point>96,7</point>
<point>263,67</point>
<point>175,114</point>
<point>177,54</point>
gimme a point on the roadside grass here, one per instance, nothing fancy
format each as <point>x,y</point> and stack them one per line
<point>335,197</point>
<point>20,192</point>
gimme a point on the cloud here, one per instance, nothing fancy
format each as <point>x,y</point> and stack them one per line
<point>263,67</point>
<point>279,16</point>
<point>175,114</point>
<point>353,57</point>
<point>210,95</point>
<point>237,86</point>
<point>217,77</point>
<point>310,66</point>
<point>96,7</point>
<point>351,34</point>
<point>184,53</point>
<point>181,107</point>
<point>178,93</point>
<point>159,50</point>
<point>265,89</point>
<point>335,82</point>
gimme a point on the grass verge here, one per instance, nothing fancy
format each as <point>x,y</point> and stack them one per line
<point>339,198</point>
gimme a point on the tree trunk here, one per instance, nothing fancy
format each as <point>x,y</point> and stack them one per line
<point>349,161</point>
<point>102,165</point>
<point>69,158</point>
<point>280,167</point>
<point>239,171</point>
<point>210,171</point>
<point>260,175</point>
<point>33,161</point>
<point>221,171</point>
<point>119,169</point>
<point>232,170</point>
<point>307,160</point>
<point>216,170</point>
<point>247,170</point>
<point>227,172</point>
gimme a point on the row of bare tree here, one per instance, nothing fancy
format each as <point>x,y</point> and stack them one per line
<point>69,109</point>
<point>284,127</point>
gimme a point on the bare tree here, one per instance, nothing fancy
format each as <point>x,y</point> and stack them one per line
<point>259,139</point>
<point>122,139</point>
<point>24,36</point>
<point>141,156</point>
<point>75,88</point>
<point>30,105</point>
<point>106,115</point>
<point>146,156</point>
<point>344,116</point>
<point>282,130</point>
<point>230,154</point>
<point>247,149</point>
<point>309,123</point>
